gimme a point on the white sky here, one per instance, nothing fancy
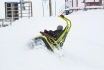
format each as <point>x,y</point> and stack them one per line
<point>82,50</point>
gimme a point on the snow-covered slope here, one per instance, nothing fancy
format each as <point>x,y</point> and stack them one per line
<point>82,50</point>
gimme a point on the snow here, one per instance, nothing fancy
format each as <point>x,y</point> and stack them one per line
<point>82,50</point>
<point>94,6</point>
<point>92,0</point>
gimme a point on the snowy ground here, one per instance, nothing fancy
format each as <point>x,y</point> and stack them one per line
<point>83,49</point>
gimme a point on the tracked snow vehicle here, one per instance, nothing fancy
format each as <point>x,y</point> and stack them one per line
<point>51,42</point>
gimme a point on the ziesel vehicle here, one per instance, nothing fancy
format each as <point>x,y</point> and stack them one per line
<point>51,42</point>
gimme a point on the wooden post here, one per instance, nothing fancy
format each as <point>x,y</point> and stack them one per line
<point>94,2</point>
<point>31,10</point>
<point>76,3</point>
<point>10,21</point>
<point>21,8</point>
<point>72,5</point>
<point>43,8</point>
<point>85,4</point>
<point>5,9</point>
<point>103,4</point>
<point>2,22</point>
<point>50,8</point>
<point>55,7</point>
<point>12,11</point>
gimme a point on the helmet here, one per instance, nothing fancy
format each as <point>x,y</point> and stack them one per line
<point>59,27</point>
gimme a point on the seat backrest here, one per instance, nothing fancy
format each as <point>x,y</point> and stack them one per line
<point>62,36</point>
<point>62,33</point>
<point>59,34</point>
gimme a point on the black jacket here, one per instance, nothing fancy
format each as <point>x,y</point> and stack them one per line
<point>55,33</point>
